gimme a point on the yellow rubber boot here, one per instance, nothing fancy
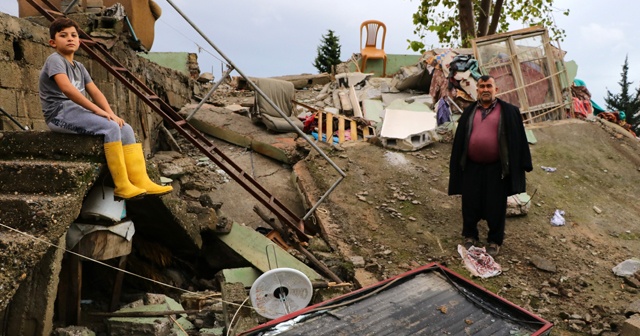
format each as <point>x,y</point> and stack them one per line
<point>116,163</point>
<point>137,170</point>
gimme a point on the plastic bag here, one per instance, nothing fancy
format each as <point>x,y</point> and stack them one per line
<point>558,218</point>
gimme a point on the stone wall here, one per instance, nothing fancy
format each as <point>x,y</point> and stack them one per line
<point>23,50</point>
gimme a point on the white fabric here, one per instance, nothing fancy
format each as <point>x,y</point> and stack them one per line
<point>77,231</point>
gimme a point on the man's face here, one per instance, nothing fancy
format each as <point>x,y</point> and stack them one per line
<point>487,91</point>
<point>66,41</point>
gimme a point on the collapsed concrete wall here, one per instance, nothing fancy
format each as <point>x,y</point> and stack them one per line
<point>23,50</point>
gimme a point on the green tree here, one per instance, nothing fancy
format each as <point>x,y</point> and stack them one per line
<point>454,21</point>
<point>625,100</point>
<point>328,52</point>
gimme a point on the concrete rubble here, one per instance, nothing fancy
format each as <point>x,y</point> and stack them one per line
<point>187,239</point>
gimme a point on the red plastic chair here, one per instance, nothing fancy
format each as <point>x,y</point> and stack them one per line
<point>370,50</point>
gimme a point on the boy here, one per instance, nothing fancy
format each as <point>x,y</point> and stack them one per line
<point>63,85</point>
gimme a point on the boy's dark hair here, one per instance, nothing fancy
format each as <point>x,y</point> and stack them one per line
<point>60,24</point>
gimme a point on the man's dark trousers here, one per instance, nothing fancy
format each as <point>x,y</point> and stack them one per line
<point>484,196</point>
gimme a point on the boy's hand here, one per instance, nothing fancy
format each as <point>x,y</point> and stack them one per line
<point>111,116</point>
<point>117,119</point>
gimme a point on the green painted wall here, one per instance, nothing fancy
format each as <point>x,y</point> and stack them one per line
<point>172,60</point>
<point>394,63</point>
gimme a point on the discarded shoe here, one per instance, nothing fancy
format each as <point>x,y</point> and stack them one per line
<point>468,242</point>
<point>493,249</point>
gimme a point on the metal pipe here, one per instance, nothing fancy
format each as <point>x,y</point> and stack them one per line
<point>261,93</point>
<point>208,95</point>
<point>73,3</point>
<point>26,128</point>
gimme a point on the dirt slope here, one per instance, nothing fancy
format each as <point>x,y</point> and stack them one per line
<point>393,210</point>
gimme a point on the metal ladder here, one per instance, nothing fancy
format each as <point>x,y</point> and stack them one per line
<point>171,117</point>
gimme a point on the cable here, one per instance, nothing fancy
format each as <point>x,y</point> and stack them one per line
<point>105,264</point>
<point>234,316</point>
<point>200,48</point>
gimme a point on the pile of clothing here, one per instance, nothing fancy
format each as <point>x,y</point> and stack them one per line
<point>454,76</point>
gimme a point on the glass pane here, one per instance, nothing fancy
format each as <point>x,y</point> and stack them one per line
<point>495,60</point>
<point>529,48</point>
<point>506,83</point>
<point>493,54</point>
<point>538,87</point>
<point>533,64</point>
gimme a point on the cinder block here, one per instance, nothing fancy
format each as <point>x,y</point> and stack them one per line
<point>34,53</point>
<point>30,77</point>
<point>8,101</point>
<point>29,105</point>
<point>10,75</point>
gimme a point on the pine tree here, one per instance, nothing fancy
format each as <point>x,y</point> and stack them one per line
<point>625,101</point>
<point>328,53</point>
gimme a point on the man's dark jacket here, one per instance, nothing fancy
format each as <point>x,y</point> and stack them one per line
<point>514,149</point>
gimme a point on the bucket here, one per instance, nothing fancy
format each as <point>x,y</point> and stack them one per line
<point>100,204</point>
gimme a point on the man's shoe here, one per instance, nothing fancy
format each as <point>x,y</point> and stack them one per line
<point>493,249</point>
<point>468,242</point>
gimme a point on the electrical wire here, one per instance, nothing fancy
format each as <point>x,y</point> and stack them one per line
<point>200,48</point>
<point>34,238</point>
<point>234,316</point>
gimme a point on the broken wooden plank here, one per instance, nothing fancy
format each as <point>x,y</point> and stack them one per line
<point>355,103</point>
<point>104,245</point>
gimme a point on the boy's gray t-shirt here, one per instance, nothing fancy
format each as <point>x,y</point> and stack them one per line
<point>51,97</point>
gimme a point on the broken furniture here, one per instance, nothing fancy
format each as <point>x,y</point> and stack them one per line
<point>527,69</point>
<point>281,93</point>
<point>347,128</point>
<point>371,50</point>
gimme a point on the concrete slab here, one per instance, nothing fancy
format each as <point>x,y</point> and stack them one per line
<point>150,325</point>
<point>408,130</point>
<point>388,98</point>
<point>121,326</point>
<point>373,110</point>
<point>353,78</point>
<point>252,246</point>
<point>245,275</point>
<point>631,327</point>
<point>414,106</point>
<point>239,130</point>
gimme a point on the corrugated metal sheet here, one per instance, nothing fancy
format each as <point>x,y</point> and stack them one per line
<point>428,301</point>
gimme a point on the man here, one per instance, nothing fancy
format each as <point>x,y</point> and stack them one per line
<point>489,158</point>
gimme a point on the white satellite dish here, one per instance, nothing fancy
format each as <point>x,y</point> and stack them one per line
<point>280,291</point>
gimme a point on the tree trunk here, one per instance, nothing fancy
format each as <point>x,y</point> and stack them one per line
<point>495,17</point>
<point>467,24</point>
<point>483,18</point>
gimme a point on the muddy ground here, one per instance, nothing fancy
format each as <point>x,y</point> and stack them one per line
<point>393,210</point>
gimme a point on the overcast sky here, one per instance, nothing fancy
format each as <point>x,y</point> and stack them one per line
<point>280,37</point>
